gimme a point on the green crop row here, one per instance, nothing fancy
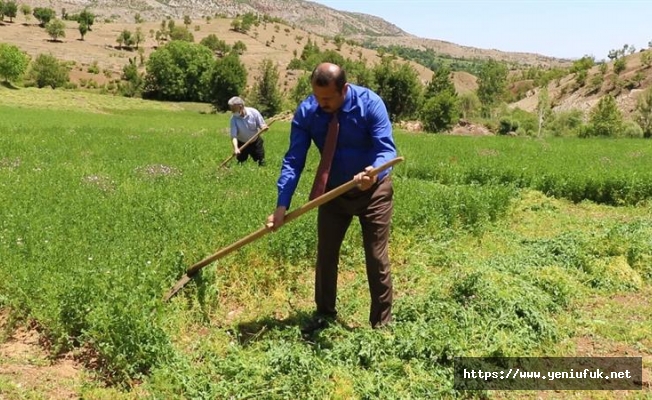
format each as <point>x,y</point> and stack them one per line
<point>607,171</point>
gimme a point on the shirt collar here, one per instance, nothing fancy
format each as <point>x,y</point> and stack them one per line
<point>348,104</point>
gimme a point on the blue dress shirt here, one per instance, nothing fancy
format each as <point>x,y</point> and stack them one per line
<point>365,138</point>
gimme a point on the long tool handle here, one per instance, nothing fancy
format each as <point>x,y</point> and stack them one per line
<point>253,138</point>
<point>247,143</point>
<point>326,197</point>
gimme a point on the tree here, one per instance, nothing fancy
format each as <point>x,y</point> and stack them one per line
<point>605,119</point>
<point>584,63</point>
<point>187,21</point>
<point>48,71</point>
<point>338,41</point>
<point>13,62</point>
<point>620,65</point>
<point>399,87</point>
<point>646,58</point>
<point>138,36</point>
<point>133,78</point>
<point>543,108</point>
<point>469,104</point>
<point>44,15</point>
<point>179,71</point>
<point>125,38</point>
<point>56,28</point>
<point>266,96</point>
<point>492,81</point>
<point>26,10</point>
<point>181,33</point>
<point>301,90</point>
<point>214,43</point>
<point>358,73</point>
<point>441,82</point>
<point>138,18</point>
<point>644,113</point>
<point>83,29</point>
<point>87,18</point>
<point>239,47</point>
<point>228,79</point>
<point>441,107</point>
<point>440,112</point>
<point>10,10</point>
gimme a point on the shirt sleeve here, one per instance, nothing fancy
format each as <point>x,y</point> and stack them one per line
<point>234,128</point>
<point>259,119</point>
<point>381,133</point>
<point>294,160</point>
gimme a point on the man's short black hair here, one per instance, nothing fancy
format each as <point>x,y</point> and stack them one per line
<point>323,77</point>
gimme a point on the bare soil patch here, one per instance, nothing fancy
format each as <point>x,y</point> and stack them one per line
<point>27,368</point>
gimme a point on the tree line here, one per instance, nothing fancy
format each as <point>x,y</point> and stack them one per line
<point>211,71</point>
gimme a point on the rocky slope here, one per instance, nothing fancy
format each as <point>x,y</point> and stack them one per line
<point>309,16</point>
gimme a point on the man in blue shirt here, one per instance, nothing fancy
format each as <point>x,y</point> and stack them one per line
<point>245,124</point>
<point>364,141</point>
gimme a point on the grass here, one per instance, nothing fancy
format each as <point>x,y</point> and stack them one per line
<point>102,209</point>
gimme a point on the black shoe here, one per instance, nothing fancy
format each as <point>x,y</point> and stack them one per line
<point>317,323</point>
<point>261,163</point>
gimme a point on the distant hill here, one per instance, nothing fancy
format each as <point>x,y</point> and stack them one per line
<point>306,15</point>
<point>568,93</point>
<point>99,51</point>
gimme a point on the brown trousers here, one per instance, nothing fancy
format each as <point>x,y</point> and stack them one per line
<point>373,208</point>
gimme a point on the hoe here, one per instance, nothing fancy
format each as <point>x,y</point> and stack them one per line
<point>254,137</point>
<point>326,197</point>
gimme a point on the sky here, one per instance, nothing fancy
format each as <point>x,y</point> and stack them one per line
<point>557,28</point>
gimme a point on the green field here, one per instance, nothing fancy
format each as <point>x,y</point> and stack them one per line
<point>500,246</point>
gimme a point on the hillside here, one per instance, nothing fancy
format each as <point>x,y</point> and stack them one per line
<point>277,42</point>
<point>306,15</point>
<point>566,93</point>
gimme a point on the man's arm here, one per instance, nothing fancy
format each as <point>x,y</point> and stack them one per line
<point>291,169</point>
<point>260,121</point>
<point>384,148</point>
<point>381,132</point>
<point>293,162</point>
<point>234,136</point>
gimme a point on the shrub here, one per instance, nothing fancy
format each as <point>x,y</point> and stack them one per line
<point>605,119</point>
<point>632,130</point>
<point>47,70</point>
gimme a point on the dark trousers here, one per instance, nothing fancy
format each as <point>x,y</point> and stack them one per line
<point>373,208</point>
<point>256,150</point>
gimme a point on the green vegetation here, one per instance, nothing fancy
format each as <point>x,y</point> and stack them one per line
<point>48,71</point>
<point>429,58</point>
<point>266,96</point>
<point>492,81</point>
<point>102,210</point>
<point>13,62</point>
<point>441,106</point>
<point>179,71</point>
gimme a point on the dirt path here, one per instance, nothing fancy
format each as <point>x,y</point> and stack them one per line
<point>27,372</point>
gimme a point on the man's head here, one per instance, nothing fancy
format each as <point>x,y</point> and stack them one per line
<point>329,86</point>
<point>236,105</point>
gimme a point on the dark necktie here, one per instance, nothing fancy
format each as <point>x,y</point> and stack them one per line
<point>319,185</point>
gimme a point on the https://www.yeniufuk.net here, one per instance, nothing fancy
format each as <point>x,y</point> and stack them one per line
<point>517,373</point>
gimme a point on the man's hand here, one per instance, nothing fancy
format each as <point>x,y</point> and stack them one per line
<point>275,220</point>
<point>365,181</point>
<point>236,151</point>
